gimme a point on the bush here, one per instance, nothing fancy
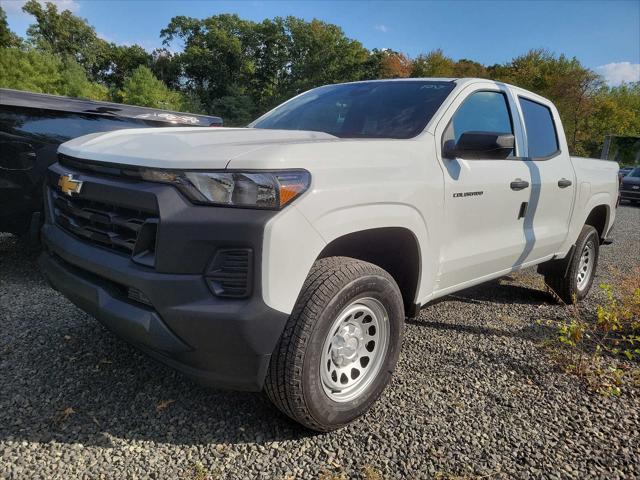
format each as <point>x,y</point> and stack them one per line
<point>46,73</point>
<point>600,345</point>
<point>144,89</point>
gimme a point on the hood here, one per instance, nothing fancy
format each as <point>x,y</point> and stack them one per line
<point>630,180</point>
<point>180,147</point>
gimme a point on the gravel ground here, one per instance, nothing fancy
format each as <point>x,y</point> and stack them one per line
<point>474,396</point>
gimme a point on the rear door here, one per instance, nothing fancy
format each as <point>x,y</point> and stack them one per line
<point>483,230</point>
<point>553,182</point>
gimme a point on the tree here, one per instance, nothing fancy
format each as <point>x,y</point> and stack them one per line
<point>564,81</point>
<point>616,111</point>
<point>433,64</point>
<point>7,37</point>
<point>393,65</point>
<point>144,89</point>
<point>217,53</point>
<point>74,83</point>
<point>166,66</point>
<point>320,53</point>
<point>240,68</point>
<point>469,68</point>
<point>260,63</point>
<point>46,73</point>
<point>64,34</point>
<point>119,61</point>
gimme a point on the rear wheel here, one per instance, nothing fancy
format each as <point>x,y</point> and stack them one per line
<point>572,281</point>
<point>340,345</point>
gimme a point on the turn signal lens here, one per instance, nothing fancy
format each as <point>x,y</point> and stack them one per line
<point>291,185</point>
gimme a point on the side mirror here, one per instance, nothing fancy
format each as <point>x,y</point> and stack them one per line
<point>480,145</point>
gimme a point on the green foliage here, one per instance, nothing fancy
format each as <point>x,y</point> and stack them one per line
<point>239,69</point>
<point>613,331</point>
<point>75,83</point>
<point>116,62</point>
<point>7,37</point>
<point>228,61</point>
<point>63,34</point>
<point>46,73</point>
<point>615,112</point>
<point>166,67</point>
<point>564,81</point>
<point>433,64</point>
<point>320,53</point>
<point>29,70</point>
<point>144,89</point>
<point>236,110</point>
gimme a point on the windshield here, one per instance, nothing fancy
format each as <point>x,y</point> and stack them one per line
<point>392,109</point>
<point>634,173</point>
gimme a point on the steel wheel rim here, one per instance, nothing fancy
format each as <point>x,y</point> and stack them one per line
<point>585,266</point>
<point>354,350</point>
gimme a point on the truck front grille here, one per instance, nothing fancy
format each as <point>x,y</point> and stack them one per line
<point>123,230</point>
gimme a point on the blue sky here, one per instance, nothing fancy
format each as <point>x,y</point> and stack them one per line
<point>603,35</point>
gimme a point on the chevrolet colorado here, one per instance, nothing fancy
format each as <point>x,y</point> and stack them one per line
<point>286,256</point>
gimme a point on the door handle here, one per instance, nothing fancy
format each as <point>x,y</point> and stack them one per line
<point>519,184</point>
<point>564,183</point>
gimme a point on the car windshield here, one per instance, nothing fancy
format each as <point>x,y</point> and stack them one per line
<point>391,109</point>
<point>634,173</point>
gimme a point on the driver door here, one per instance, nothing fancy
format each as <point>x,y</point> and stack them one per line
<point>483,225</point>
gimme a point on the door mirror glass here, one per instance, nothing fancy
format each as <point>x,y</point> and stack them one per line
<point>480,145</point>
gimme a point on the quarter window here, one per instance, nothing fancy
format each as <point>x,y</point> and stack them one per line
<point>541,131</point>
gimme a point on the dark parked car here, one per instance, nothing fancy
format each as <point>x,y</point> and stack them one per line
<point>630,186</point>
<point>32,125</point>
<point>624,171</point>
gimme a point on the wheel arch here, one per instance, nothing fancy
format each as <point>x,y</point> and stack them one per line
<point>395,249</point>
<point>598,218</point>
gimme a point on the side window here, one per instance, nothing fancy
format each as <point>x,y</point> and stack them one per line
<point>480,112</point>
<point>541,131</point>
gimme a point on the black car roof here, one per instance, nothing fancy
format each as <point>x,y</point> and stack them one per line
<point>19,98</point>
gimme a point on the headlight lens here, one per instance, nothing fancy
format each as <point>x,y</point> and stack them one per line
<point>268,189</point>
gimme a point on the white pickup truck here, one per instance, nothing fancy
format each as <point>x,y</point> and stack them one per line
<point>286,256</point>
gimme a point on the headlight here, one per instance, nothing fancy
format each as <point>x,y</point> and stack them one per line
<point>268,189</point>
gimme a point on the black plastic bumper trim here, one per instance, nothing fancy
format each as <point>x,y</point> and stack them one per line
<point>139,325</point>
<point>226,343</point>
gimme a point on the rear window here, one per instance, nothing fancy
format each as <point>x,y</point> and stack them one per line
<point>541,131</point>
<point>391,109</point>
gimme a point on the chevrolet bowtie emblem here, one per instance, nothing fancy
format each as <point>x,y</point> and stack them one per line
<point>69,185</point>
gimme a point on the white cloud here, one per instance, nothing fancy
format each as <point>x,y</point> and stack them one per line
<point>381,28</point>
<point>617,72</point>
<point>14,7</point>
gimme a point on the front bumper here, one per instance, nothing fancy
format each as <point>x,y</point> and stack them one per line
<point>223,342</point>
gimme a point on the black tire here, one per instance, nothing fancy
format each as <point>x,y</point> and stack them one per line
<point>563,280</point>
<point>293,381</point>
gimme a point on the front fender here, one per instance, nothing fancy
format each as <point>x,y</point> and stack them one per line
<point>292,244</point>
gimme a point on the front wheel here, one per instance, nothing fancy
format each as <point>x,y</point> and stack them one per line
<point>340,346</point>
<point>572,281</point>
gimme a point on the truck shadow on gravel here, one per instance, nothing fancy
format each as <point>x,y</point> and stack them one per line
<point>67,379</point>
<point>502,291</point>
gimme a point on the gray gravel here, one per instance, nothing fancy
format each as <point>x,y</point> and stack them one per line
<point>474,396</point>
